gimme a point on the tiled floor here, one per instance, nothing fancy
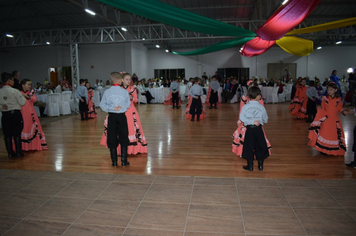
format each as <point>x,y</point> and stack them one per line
<point>56,203</point>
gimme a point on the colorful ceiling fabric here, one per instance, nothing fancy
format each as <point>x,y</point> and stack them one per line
<point>217,47</point>
<point>325,26</point>
<point>280,23</point>
<point>177,17</point>
<point>296,46</point>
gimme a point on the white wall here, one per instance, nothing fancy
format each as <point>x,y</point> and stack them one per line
<point>33,62</point>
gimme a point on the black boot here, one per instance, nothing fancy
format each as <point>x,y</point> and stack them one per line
<point>249,166</point>
<point>124,161</point>
<point>198,117</point>
<point>81,115</point>
<point>113,155</point>
<point>192,118</point>
<point>18,146</point>
<point>260,164</point>
<point>8,145</point>
<point>86,115</point>
<point>211,107</point>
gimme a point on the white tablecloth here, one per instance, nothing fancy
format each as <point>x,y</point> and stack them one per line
<point>182,89</point>
<point>156,93</point>
<point>97,98</point>
<point>266,91</point>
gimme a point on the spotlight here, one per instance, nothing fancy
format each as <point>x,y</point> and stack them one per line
<point>90,12</point>
<point>157,46</point>
<point>338,42</point>
<point>319,47</point>
<point>9,35</point>
<point>123,29</point>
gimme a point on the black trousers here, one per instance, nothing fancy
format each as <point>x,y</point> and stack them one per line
<point>195,107</point>
<point>148,96</point>
<point>311,107</point>
<point>117,130</point>
<point>255,143</point>
<point>83,107</point>
<point>175,99</point>
<point>213,99</point>
<point>12,123</point>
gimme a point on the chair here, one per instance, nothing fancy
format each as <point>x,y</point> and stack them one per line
<point>235,97</point>
<point>58,89</point>
<point>141,98</point>
<point>282,96</point>
<point>96,98</point>
<point>203,98</point>
<point>273,96</point>
<point>64,107</point>
<point>53,104</point>
<point>165,93</point>
<point>244,90</point>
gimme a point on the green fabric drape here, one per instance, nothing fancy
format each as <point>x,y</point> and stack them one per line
<point>217,47</point>
<point>170,15</point>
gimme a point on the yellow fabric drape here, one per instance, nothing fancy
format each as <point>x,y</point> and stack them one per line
<point>325,26</point>
<point>296,46</point>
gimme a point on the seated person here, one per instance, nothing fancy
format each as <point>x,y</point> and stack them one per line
<point>143,92</point>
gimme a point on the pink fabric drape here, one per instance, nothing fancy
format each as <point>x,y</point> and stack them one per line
<point>281,22</point>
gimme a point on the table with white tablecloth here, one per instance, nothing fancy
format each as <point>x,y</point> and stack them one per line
<point>156,93</point>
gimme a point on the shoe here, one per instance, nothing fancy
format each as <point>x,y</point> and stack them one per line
<point>124,161</point>
<point>298,118</point>
<point>215,108</point>
<point>173,107</point>
<point>249,166</point>
<point>323,154</point>
<point>352,165</point>
<point>210,107</point>
<point>18,146</point>
<point>192,120</point>
<point>260,164</point>
<point>178,107</point>
<point>113,155</point>
<point>8,145</point>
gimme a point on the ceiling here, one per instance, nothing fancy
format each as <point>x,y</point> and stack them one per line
<point>18,17</point>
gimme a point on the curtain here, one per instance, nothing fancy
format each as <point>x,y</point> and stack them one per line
<point>177,17</point>
<point>296,46</point>
<point>256,47</point>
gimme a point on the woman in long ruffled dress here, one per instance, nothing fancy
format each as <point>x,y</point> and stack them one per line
<point>91,106</point>
<point>32,136</point>
<point>298,105</point>
<point>137,138</point>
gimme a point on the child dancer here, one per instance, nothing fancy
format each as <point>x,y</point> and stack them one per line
<point>299,103</point>
<point>32,136</point>
<point>173,97</point>
<point>11,101</point>
<point>91,106</point>
<point>116,101</point>
<point>312,95</point>
<point>254,115</point>
<point>325,132</point>
<point>82,94</point>
<point>138,143</point>
<point>239,134</point>
<point>196,105</point>
<point>212,98</point>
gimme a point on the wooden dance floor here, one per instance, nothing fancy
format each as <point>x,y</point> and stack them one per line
<point>179,147</point>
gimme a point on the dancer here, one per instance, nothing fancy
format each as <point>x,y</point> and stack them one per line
<point>173,97</point>
<point>11,101</point>
<point>91,106</point>
<point>196,106</point>
<point>254,115</point>
<point>326,133</point>
<point>82,94</point>
<point>239,134</point>
<point>312,95</point>
<point>298,105</point>
<point>138,143</point>
<point>212,97</point>
<point>116,101</point>
<point>32,136</point>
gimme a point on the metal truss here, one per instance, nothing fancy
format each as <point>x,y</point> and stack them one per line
<point>149,32</point>
<point>74,62</point>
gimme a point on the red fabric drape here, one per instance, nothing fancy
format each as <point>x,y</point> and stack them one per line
<point>281,22</point>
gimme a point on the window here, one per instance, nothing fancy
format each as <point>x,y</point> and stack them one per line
<point>169,73</point>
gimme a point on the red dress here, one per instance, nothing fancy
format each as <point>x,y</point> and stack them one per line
<point>168,100</point>
<point>137,138</point>
<point>218,104</point>
<point>32,136</point>
<point>187,110</point>
<point>298,105</point>
<point>239,134</point>
<point>91,105</point>
<point>325,132</point>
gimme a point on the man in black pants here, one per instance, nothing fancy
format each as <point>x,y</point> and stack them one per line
<point>175,93</point>
<point>11,101</point>
<point>195,92</point>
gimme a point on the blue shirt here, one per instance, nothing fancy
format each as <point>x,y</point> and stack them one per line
<point>82,92</point>
<point>174,87</point>
<point>253,111</point>
<point>196,90</point>
<point>113,97</point>
<point>214,85</point>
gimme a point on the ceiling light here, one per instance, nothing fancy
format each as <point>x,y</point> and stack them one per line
<point>90,12</point>
<point>9,35</point>
<point>167,50</point>
<point>123,29</point>
<point>48,43</point>
<point>319,47</point>
<point>338,42</point>
<point>350,70</point>
<point>157,46</point>
<point>143,39</point>
<point>284,2</point>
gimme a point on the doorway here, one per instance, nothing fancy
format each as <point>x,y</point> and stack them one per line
<point>53,75</point>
